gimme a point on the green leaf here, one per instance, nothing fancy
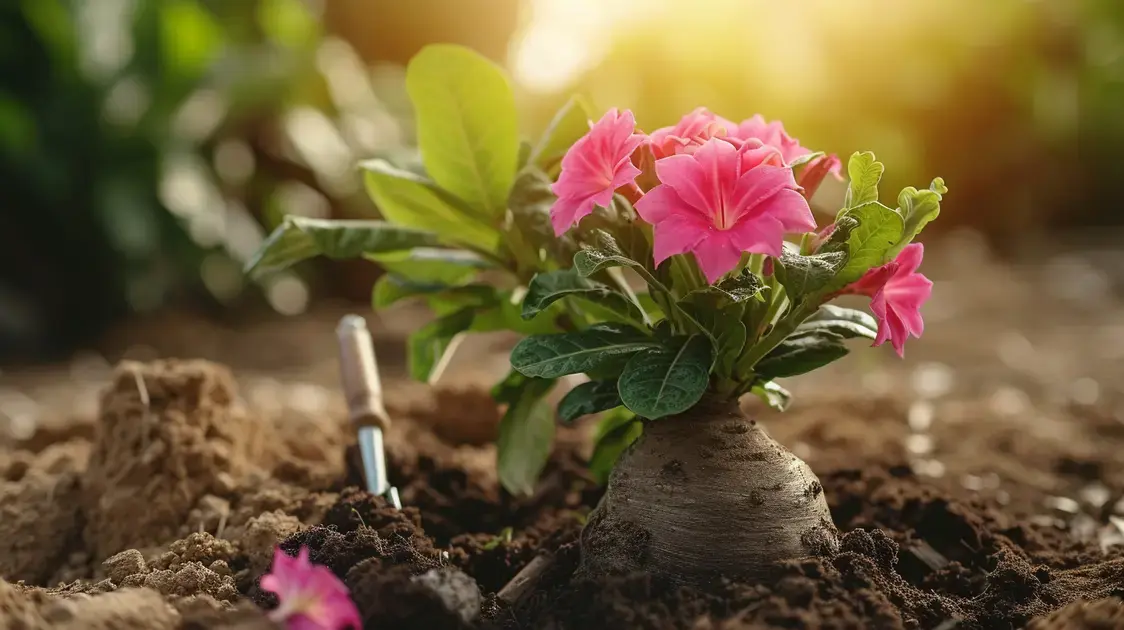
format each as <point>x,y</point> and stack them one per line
<point>740,288</point>
<point>617,431</point>
<point>804,159</point>
<point>300,238</point>
<point>730,339</point>
<point>547,288</point>
<point>467,124</point>
<point>526,432</point>
<point>800,354</point>
<point>552,356</point>
<point>410,200</point>
<point>865,172</point>
<point>530,203</point>
<point>722,319</point>
<point>427,264</point>
<point>391,288</point>
<point>772,394</point>
<point>588,398</point>
<point>918,208</point>
<point>805,275</point>
<point>846,322</point>
<point>504,314</point>
<point>837,241</point>
<point>590,261</point>
<point>427,346</point>
<point>869,244</point>
<point>667,380</point>
<point>567,127</point>
<point>651,308</point>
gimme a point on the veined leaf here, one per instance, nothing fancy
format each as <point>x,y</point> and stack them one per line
<point>865,172</point>
<point>467,124</point>
<point>805,275</point>
<point>588,398</point>
<point>801,353</point>
<point>740,288</point>
<point>845,322</point>
<point>667,380</point>
<point>918,208</point>
<point>300,238</point>
<point>552,356</point>
<point>869,243</point>
<point>547,288</point>
<point>410,200</point>
<point>526,432</point>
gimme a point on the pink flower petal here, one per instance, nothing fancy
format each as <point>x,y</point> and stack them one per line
<point>897,293</point>
<point>679,234</point>
<point>760,234</point>
<point>716,256</point>
<point>310,597</point>
<point>596,165</point>
<point>659,204</point>
<point>566,212</point>
<point>720,201</point>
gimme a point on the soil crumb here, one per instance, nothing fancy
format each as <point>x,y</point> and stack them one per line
<point>169,433</point>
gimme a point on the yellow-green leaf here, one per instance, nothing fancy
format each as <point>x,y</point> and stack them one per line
<point>467,125</point>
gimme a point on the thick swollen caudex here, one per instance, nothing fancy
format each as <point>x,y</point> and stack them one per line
<point>706,494</point>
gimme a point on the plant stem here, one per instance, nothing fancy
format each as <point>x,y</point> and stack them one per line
<point>621,281</point>
<point>779,333</point>
<point>778,298</point>
<point>757,264</point>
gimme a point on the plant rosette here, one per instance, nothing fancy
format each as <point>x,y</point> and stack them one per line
<point>676,270</point>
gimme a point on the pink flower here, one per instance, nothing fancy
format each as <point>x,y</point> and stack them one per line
<point>721,201</point>
<point>896,294</point>
<point>595,166</point>
<point>311,597</point>
<point>773,134</point>
<point>690,133</point>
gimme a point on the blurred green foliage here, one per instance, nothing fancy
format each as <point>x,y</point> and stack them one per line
<point>113,117</point>
<point>146,146</point>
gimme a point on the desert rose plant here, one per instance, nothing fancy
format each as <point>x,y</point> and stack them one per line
<point>676,270</point>
<point>700,213</point>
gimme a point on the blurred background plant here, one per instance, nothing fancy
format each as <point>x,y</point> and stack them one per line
<point>146,146</point>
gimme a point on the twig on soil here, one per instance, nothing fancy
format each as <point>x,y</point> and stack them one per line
<point>444,361</point>
<point>526,579</point>
<point>142,390</point>
<point>927,555</point>
<point>222,520</point>
<point>360,517</point>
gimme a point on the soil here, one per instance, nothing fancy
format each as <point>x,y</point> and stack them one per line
<point>979,484</point>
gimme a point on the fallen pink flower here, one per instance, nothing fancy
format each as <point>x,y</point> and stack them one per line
<point>721,201</point>
<point>595,166</point>
<point>310,596</point>
<point>690,133</point>
<point>896,293</point>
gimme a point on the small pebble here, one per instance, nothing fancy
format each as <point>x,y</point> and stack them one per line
<point>1063,504</point>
